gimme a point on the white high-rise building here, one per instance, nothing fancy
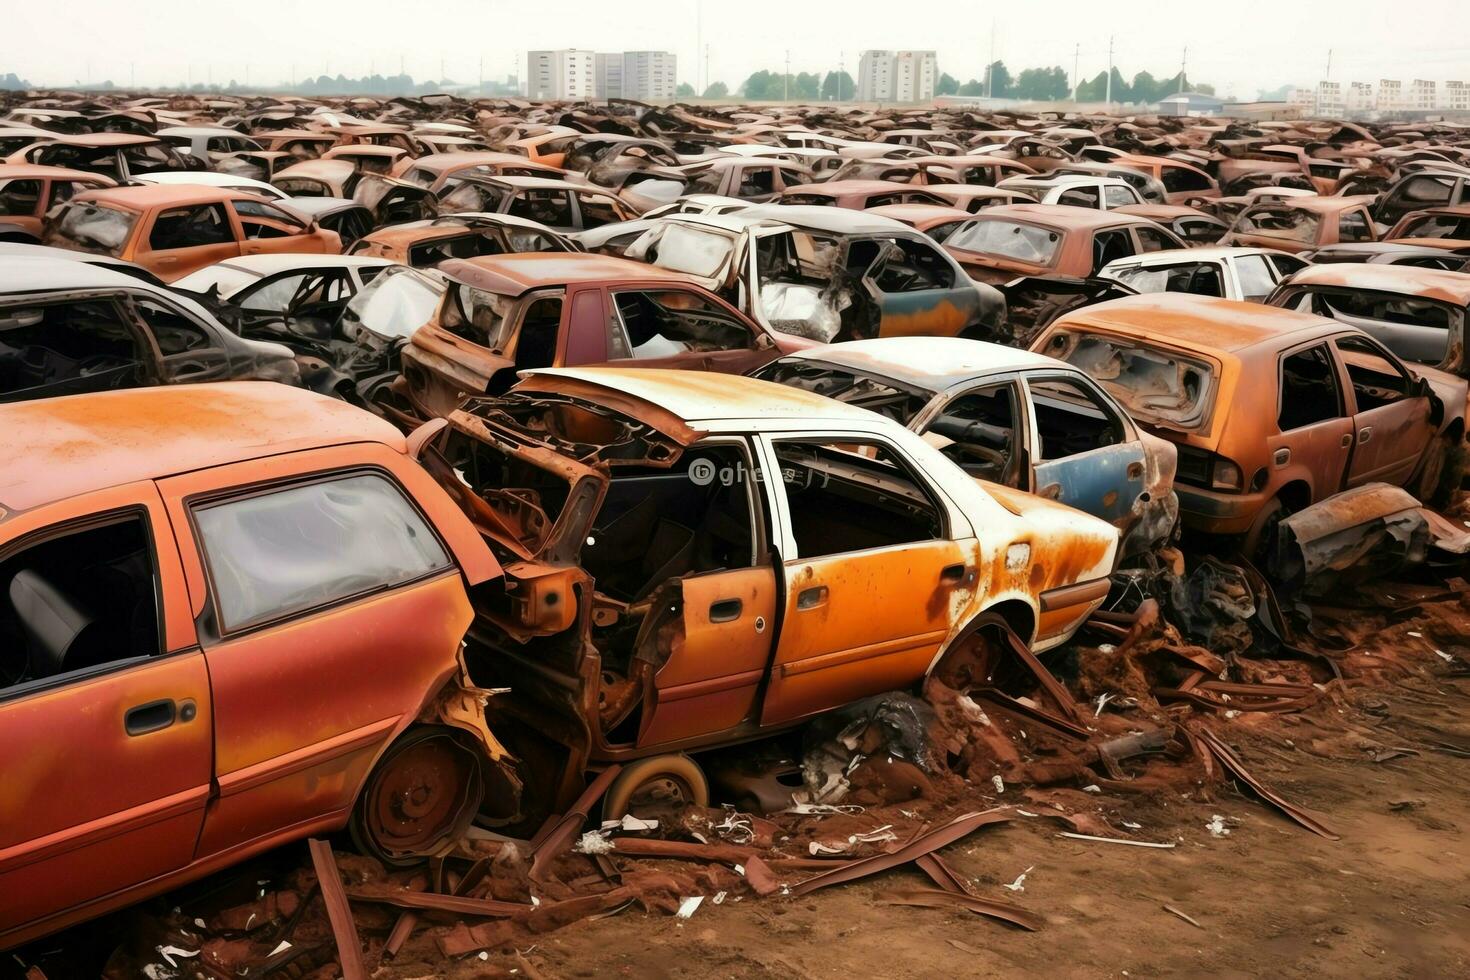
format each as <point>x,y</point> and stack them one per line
<point>558,75</point>
<point>1303,99</point>
<point>650,76</point>
<point>1457,96</point>
<point>1329,99</point>
<point>1423,95</point>
<point>1360,97</point>
<point>608,74</point>
<point>1390,95</point>
<point>897,76</point>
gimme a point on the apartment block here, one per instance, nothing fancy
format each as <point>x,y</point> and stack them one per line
<point>1423,95</point>
<point>1360,97</point>
<point>650,76</point>
<point>563,74</point>
<point>1390,95</point>
<point>1457,96</point>
<point>608,75</point>
<point>1330,100</point>
<point>897,76</point>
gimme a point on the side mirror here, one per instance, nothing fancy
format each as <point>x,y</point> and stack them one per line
<point>423,435</point>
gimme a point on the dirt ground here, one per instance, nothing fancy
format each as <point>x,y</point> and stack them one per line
<point>1383,760</point>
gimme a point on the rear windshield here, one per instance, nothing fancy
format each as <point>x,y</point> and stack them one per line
<point>692,251</point>
<point>395,304</point>
<point>1291,224</point>
<point>91,228</point>
<point>1009,240</point>
<point>875,394</point>
<point>1154,385</point>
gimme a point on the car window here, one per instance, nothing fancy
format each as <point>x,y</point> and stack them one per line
<point>1416,193</point>
<point>76,600</point>
<point>286,551</point>
<point>1199,278</point>
<point>852,496</point>
<point>273,296</point>
<point>266,221</point>
<point>1254,273</point>
<point>1353,227</point>
<point>1376,379</point>
<point>662,323</point>
<point>1009,240</point>
<point>172,331</point>
<point>1153,240</point>
<point>538,335</point>
<point>20,198</point>
<point>899,265</point>
<point>977,430</point>
<point>598,210</point>
<point>549,207</point>
<point>1081,197</point>
<point>478,316</point>
<point>1287,264</point>
<point>91,227</point>
<point>1309,389</point>
<point>1291,224</point>
<point>1071,419</point>
<point>190,227</point>
<point>941,232</point>
<point>68,348</point>
<point>1117,197</point>
<point>1180,179</point>
<point>756,181</point>
<point>1108,245</point>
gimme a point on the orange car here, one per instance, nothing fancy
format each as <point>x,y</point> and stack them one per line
<point>1051,240</point>
<point>28,191</point>
<point>173,230</point>
<point>230,617</point>
<point>1299,224</point>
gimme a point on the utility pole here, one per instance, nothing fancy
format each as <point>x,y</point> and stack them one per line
<point>1109,96</point>
<point>699,45</point>
<point>786,79</point>
<point>1076,58</point>
<point>990,65</point>
<point>1183,67</point>
<point>841,70</point>
<point>132,75</point>
<point>707,82</point>
<point>1328,77</point>
<point>481,90</point>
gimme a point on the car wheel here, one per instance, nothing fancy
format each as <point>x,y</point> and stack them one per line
<point>1260,540</point>
<point>420,796</point>
<point>660,781</point>
<point>1441,474</point>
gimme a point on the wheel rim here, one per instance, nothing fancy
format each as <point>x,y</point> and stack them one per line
<point>420,795</point>
<point>661,791</point>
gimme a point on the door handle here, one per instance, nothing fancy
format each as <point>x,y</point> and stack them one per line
<point>1052,491</point>
<point>1135,471</point>
<point>724,610</point>
<point>153,716</point>
<point>1347,440</point>
<point>811,598</point>
<point>952,573</point>
<point>1364,434</point>
<point>1283,456</point>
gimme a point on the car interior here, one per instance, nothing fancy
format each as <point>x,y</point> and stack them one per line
<point>67,348</point>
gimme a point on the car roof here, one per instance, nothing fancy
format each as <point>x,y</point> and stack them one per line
<point>837,188</point>
<point>38,171</point>
<point>202,178</point>
<point>1173,256</point>
<point>511,275</point>
<point>268,264</point>
<point>701,396</point>
<point>1061,216</point>
<point>838,221</point>
<point>1318,205</point>
<point>46,272</point>
<point>919,214</point>
<point>142,197</point>
<point>440,162</point>
<point>84,443</point>
<point>103,139</point>
<point>1408,280</point>
<point>1199,322</point>
<point>931,363</point>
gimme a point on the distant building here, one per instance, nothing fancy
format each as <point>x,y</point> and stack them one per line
<point>1423,95</point>
<point>650,76</point>
<point>1390,96</point>
<point>897,76</point>
<point>1360,97</point>
<point>1303,100</point>
<point>1329,99</point>
<point>607,70</point>
<point>1262,111</point>
<point>557,75</point>
<point>1191,104</point>
<point>1457,96</point>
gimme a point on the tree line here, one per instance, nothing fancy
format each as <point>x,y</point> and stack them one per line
<point>1031,85</point>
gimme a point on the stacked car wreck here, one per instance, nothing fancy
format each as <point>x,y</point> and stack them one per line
<point>702,468</point>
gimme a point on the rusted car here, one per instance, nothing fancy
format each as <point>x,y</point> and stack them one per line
<point>320,177</point>
<point>230,617</point>
<point>28,191</point>
<point>1192,225</point>
<point>303,144</point>
<point>1421,191</point>
<point>747,178</point>
<point>368,157</point>
<point>440,170</point>
<point>118,156</point>
<point>1301,224</point>
<point>460,236</point>
<point>1048,239</point>
<point>1447,228</point>
<point>510,313</point>
<point>69,327</point>
<point>933,220</point>
<point>975,198</point>
<point>858,195</point>
<point>1231,273</point>
<point>173,231</point>
<point>1006,416</point>
<point>562,205</point>
<point>1197,370</point>
<point>697,560</point>
<point>825,273</point>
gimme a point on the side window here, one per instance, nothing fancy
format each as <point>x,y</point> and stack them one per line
<point>597,210</point>
<point>1179,179</point>
<point>905,266</point>
<point>1109,245</point>
<point>756,181</point>
<point>1118,197</point>
<point>1071,419</point>
<point>1256,281</point>
<point>68,348</point>
<point>77,600</point>
<point>663,323</point>
<point>20,198</point>
<point>1286,264</point>
<point>275,295</point>
<point>190,227</point>
<point>1152,240</point>
<point>977,431</point>
<point>285,551</point>
<point>793,177</point>
<point>173,332</point>
<point>1376,379</point>
<point>942,231</point>
<point>846,496</point>
<point>1081,197</point>
<point>540,330</point>
<point>1309,391</point>
<point>1352,226</point>
<point>266,221</point>
<point>549,207</point>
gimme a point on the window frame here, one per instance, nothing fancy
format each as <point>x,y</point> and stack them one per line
<point>1325,344</point>
<point>1095,394</point>
<point>219,631</point>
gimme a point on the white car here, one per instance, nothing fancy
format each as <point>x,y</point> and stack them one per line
<point>209,178</point>
<point>1078,190</point>
<point>1230,272</point>
<point>287,283</point>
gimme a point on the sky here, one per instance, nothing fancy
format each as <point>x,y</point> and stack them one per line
<point>1239,46</point>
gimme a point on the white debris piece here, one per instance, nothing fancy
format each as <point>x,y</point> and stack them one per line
<point>169,952</point>
<point>688,906</point>
<point>281,947</point>
<point>1217,827</point>
<point>636,825</point>
<point>1444,656</point>
<point>1019,885</point>
<point>1000,784</point>
<point>594,842</point>
<point>719,898</point>
<point>1092,788</point>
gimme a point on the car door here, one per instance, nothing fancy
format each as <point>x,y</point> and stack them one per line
<point>107,727</point>
<point>869,568</point>
<point>187,350</point>
<point>1086,455</point>
<point>1314,426</point>
<point>185,239</point>
<point>1390,411</point>
<point>913,285</point>
<point>319,589</point>
<point>984,429</point>
<point>71,347</point>
<point>676,327</point>
<point>266,229</point>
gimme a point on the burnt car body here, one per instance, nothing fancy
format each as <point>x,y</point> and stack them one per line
<point>1227,272</point>
<point>1196,370</point>
<point>510,313</point>
<point>1301,224</point>
<point>1006,416</point>
<point>695,562</point>
<point>1048,239</point>
<point>70,327</point>
<point>561,205</point>
<point>115,155</point>
<point>1191,225</point>
<point>28,192</point>
<point>460,236</point>
<point>858,195</point>
<point>825,273</point>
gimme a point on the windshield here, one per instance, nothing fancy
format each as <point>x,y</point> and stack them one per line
<point>1153,385</point>
<point>693,251</point>
<point>91,228</point>
<point>1288,223</point>
<point>478,315</point>
<point>1007,239</point>
<point>395,304</point>
<point>1202,278</point>
<point>1438,226</point>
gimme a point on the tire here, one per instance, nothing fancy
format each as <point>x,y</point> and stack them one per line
<point>1262,533</point>
<point>1441,473</point>
<point>660,777</point>
<point>422,794</point>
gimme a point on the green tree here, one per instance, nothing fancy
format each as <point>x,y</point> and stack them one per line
<point>947,85</point>
<point>684,91</point>
<point>1041,85</point>
<point>806,85</point>
<point>719,90</point>
<point>974,87</point>
<point>1145,88</point>
<point>999,78</point>
<point>757,86</point>
<point>838,86</point>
